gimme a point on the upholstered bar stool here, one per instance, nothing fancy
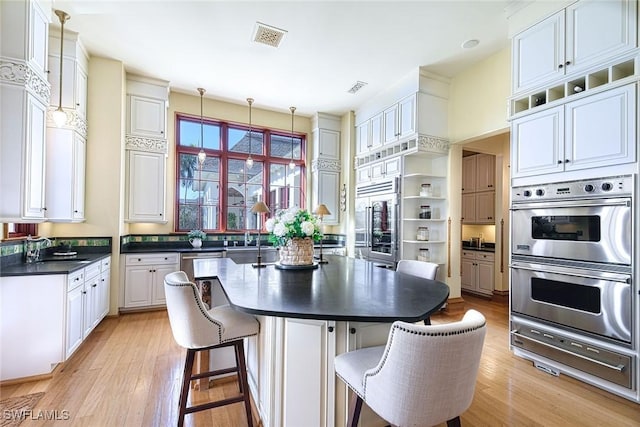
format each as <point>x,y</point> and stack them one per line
<point>196,328</point>
<point>424,376</point>
<point>424,269</point>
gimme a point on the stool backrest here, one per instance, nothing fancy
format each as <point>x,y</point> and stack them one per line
<point>426,270</point>
<point>191,325</point>
<point>427,373</point>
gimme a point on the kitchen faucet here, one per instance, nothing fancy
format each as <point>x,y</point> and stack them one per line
<point>33,254</point>
<point>247,238</point>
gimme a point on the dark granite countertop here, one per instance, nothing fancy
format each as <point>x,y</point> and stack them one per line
<point>50,264</point>
<point>345,289</point>
<point>185,247</point>
<point>486,247</point>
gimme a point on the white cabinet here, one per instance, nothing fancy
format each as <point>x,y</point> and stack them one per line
<point>593,131</point>
<point>478,272</point>
<point>76,297</point>
<point>586,33</point>
<point>65,184</point>
<point>326,185</point>
<point>362,137</point>
<point>309,379</point>
<point>379,170</point>
<point>146,146</point>
<point>400,120</point>
<point>75,65</point>
<point>146,116</point>
<point>326,167</point>
<point>478,189</point>
<point>146,186</point>
<point>327,144</point>
<point>144,278</point>
<point>104,289</point>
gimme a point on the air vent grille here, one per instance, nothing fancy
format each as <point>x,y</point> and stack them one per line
<point>266,34</point>
<point>357,86</point>
<point>382,187</point>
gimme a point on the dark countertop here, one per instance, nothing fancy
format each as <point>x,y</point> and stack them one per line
<point>53,265</point>
<point>185,247</point>
<point>345,289</point>
<point>487,247</point>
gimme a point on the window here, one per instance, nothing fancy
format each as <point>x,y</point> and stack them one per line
<point>217,195</point>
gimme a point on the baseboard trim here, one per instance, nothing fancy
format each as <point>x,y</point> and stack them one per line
<point>455,306</point>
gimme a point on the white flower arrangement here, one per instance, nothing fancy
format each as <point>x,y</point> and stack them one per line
<point>290,223</point>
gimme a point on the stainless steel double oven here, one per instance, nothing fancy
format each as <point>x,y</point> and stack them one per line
<point>572,295</point>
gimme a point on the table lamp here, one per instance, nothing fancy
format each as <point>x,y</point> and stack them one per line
<point>259,208</point>
<point>321,211</point>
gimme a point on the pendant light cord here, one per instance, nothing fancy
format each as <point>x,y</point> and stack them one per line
<point>63,16</point>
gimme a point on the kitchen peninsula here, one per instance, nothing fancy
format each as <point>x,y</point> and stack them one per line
<point>307,317</point>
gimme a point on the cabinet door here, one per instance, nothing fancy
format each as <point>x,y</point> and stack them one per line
<point>363,174</point>
<point>75,317</point>
<point>468,208</point>
<point>468,274</point>
<point>137,287</point>
<point>485,207</point>
<point>377,170</point>
<point>485,277</point>
<point>146,116</point>
<point>485,172</point>
<point>538,53</point>
<point>79,160</point>
<point>68,79</point>
<point>81,92</point>
<point>104,290</point>
<point>391,124</point>
<point>362,138</point>
<point>407,117</point>
<point>146,186</point>
<point>328,144</point>
<point>392,166</point>
<point>38,38</point>
<point>537,143</point>
<point>159,271</point>
<point>309,378</point>
<point>469,173</point>
<point>598,30</point>
<point>601,129</point>
<point>329,193</point>
<point>34,172</point>
<point>376,131</point>
<point>91,305</point>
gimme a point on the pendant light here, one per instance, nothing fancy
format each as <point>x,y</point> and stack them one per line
<point>59,116</point>
<point>292,165</point>
<point>250,159</point>
<point>201,155</point>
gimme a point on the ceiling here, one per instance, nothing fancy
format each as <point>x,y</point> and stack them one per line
<point>328,45</point>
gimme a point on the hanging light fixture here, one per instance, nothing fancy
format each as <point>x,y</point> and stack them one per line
<point>292,165</point>
<point>59,116</point>
<point>249,159</point>
<point>201,155</point>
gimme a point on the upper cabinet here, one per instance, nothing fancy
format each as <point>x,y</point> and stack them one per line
<point>326,165</point>
<point>478,189</point>
<point>66,145</point>
<point>24,96</point>
<point>400,120</point>
<point>586,33</point>
<point>146,145</point>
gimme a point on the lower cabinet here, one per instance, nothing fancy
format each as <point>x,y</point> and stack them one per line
<point>478,272</point>
<point>144,278</point>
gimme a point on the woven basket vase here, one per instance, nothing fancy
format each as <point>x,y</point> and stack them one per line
<point>297,251</point>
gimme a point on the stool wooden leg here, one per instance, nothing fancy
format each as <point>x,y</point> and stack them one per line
<point>454,422</point>
<point>354,410</point>
<point>186,380</point>
<point>242,379</point>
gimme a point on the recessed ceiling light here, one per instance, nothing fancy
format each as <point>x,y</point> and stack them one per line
<point>357,86</point>
<point>471,43</point>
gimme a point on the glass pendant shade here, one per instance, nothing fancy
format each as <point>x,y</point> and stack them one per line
<point>59,117</point>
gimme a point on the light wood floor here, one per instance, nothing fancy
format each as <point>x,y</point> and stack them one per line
<point>128,373</point>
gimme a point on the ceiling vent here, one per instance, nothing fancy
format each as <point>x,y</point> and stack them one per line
<point>356,87</point>
<point>266,34</point>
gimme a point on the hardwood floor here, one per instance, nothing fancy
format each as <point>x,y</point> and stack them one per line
<point>128,373</point>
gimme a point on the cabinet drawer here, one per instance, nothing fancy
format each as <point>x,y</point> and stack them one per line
<point>92,270</point>
<point>485,256</point>
<point>105,264</point>
<point>161,258</point>
<point>469,254</point>
<point>75,279</point>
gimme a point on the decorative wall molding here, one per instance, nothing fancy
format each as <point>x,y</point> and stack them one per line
<point>321,164</point>
<point>73,121</point>
<point>433,144</point>
<point>18,72</point>
<point>146,144</point>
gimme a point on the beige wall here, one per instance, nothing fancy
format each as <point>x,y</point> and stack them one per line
<point>478,98</point>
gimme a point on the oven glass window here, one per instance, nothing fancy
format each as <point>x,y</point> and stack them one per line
<point>579,297</point>
<point>582,228</point>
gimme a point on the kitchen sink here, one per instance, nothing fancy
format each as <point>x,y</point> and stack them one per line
<point>249,254</point>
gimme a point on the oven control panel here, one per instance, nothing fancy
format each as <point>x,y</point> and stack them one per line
<point>615,186</point>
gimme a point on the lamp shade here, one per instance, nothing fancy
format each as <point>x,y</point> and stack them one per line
<point>259,207</point>
<point>322,210</point>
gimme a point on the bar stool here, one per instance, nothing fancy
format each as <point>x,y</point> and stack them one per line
<point>424,376</point>
<point>424,269</point>
<point>196,328</point>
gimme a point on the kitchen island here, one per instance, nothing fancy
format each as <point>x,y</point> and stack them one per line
<point>307,317</point>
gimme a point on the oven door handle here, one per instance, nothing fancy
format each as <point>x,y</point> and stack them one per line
<point>617,368</point>
<point>613,277</point>
<point>626,202</point>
